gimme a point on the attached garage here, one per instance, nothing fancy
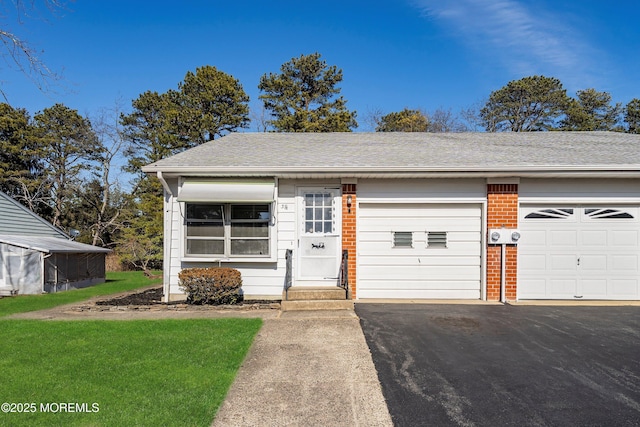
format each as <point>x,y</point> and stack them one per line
<point>579,251</point>
<point>406,215</point>
<point>419,250</point>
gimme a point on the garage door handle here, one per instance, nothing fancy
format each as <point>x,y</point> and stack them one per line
<point>578,260</point>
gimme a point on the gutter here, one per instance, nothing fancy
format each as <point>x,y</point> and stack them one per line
<point>168,222</point>
<point>380,175</point>
<point>621,171</point>
<point>154,167</point>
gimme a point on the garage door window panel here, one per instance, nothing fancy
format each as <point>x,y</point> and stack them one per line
<point>550,214</point>
<point>607,213</point>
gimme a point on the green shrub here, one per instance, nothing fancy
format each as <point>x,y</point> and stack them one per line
<point>216,285</point>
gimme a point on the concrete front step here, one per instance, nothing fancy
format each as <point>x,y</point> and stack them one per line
<point>304,293</point>
<point>308,305</point>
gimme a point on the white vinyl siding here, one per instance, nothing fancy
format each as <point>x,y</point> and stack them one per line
<point>259,279</point>
<point>444,260</point>
<point>572,191</point>
<point>421,190</point>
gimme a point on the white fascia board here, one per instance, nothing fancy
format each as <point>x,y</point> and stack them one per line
<point>573,172</point>
<point>505,180</point>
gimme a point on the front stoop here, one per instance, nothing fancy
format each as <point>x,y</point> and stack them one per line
<point>315,298</point>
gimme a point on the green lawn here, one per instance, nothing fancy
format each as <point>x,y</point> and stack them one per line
<point>116,282</point>
<point>138,373</point>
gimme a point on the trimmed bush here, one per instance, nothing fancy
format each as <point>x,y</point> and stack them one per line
<point>215,285</point>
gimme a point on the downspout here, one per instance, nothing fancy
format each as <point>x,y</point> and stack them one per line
<point>503,273</point>
<point>168,222</point>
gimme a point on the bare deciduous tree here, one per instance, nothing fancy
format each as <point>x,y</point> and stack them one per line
<point>372,118</point>
<point>18,53</point>
<point>108,130</point>
<point>443,120</point>
<point>260,118</point>
<point>33,197</point>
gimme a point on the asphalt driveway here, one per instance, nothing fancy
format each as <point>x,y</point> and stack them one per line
<point>481,365</point>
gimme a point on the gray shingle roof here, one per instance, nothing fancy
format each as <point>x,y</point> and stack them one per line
<point>17,219</point>
<point>49,244</point>
<point>404,152</point>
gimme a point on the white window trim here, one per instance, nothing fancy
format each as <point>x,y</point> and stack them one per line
<point>273,239</point>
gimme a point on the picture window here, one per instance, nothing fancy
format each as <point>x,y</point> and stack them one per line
<point>229,230</point>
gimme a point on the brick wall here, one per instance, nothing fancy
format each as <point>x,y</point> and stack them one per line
<point>502,210</point>
<point>349,233</point>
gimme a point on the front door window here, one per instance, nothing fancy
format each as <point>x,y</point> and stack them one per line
<point>319,213</point>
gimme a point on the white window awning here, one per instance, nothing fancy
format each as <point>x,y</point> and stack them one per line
<point>227,191</point>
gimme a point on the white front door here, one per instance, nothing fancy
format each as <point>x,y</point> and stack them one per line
<point>319,237</point>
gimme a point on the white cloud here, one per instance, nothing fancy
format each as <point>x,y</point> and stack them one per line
<point>524,38</point>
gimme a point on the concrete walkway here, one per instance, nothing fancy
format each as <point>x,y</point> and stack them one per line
<point>307,368</point>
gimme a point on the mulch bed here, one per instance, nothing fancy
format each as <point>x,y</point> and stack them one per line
<point>153,297</point>
<point>149,297</point>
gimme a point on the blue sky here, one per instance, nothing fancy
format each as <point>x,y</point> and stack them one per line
<point>394,54</point>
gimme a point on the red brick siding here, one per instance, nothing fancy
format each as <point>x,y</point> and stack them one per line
<point>502,211</point>
<point>349,233</point>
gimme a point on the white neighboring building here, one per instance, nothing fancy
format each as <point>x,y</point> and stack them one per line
<point>37,257</point>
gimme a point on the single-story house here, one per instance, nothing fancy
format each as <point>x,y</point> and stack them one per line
<point>492,216</point>
<point>37,257</point>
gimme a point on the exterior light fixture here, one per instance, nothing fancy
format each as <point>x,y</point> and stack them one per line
<point>349,200</point>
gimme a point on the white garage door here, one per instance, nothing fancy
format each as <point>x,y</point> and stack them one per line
<point>579,252</point>
<point>419,251</point>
